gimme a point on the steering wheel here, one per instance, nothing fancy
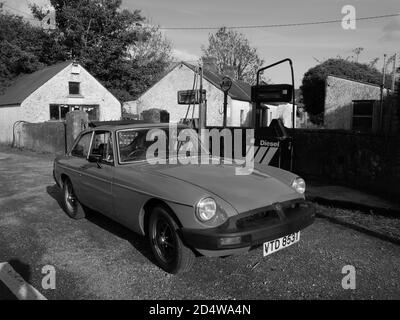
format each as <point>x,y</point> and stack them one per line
<point>134,153</point>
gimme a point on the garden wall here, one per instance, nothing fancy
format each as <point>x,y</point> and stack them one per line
<point>41,137</point>
<point>365,161</point>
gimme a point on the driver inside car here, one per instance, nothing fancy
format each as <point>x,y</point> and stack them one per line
<point>136,150</point>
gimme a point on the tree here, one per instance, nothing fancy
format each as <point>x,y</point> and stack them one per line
<point>230,49</point>
<point>22,48</point>
<point>151,45</point>
<point>373,62</point>
<point>313,84</point>
<point>357,51</point>
<point>101,36</point>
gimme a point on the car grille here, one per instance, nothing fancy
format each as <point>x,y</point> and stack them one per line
<point>268,216</point>
<point>257,219</point>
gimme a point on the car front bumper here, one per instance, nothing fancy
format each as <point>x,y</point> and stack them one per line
<point>252,228</point>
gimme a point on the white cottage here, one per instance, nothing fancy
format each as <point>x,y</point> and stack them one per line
<point>50,93</point>
<point>163,95</point>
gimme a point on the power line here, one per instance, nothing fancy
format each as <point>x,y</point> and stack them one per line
<point>282,25</point>
<point>255,26</point>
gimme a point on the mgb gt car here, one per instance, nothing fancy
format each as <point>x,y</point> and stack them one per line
<point>184,209</point>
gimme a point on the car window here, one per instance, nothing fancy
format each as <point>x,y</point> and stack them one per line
<point>102,145</point>
<point>133,145</point>
<point>81,149</point>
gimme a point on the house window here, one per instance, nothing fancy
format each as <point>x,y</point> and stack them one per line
<point>54,112</point>
<point>59,111</point>
<point>92,112</point>
<point>74,87</point>
<point>362,115</point>
<point>241,117</point>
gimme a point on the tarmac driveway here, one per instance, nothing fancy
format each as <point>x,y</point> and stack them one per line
<point>96,258</point>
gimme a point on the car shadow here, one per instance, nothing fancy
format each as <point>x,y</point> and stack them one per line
<point>22,268</point>
<point>139,242</point>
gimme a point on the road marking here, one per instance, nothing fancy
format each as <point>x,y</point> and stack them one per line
<point>18,286</point>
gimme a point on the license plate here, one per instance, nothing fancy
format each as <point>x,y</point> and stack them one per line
<point>281,243</point>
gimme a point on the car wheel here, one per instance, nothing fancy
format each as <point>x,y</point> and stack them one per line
<point>70,202</point>
<point>169,250</point>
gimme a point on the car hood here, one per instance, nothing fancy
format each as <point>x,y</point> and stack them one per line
<point>243,192</point>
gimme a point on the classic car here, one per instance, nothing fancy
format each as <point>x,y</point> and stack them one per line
<point>185,210</point>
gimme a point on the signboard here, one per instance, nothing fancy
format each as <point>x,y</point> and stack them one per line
<point>190,96</point>
<point>226,84</point>
<point>272,93</point>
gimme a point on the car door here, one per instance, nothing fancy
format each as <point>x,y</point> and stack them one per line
<point>97,177</point>
<point>78,158</point>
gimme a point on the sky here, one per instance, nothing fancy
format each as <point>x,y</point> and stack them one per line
<point>305,45</point>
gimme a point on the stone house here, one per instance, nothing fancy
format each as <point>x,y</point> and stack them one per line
<point>50,93</point>
<point>355,105</point>
<point>163,95</point>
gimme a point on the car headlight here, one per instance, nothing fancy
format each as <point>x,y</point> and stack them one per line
<point>206,209</point>
<point>299,185</point>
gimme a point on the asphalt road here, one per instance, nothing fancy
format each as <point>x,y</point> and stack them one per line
<point>96,258</point>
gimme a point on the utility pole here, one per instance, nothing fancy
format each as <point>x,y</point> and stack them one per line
<point>202,109</point>
<point>394,72</point>
<point>382,88</point>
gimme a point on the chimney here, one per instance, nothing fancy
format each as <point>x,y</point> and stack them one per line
<point>228,71</point>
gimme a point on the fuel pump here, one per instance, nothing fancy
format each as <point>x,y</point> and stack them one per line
<point>275,135</point>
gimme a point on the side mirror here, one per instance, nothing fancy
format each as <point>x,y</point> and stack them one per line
<point>272,93</point>
<point>94,158</point>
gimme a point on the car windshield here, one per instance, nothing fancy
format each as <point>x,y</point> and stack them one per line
<point>134,144</point>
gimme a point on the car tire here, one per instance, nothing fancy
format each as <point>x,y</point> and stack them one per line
<point>70,202</point>
<point>170,252</point>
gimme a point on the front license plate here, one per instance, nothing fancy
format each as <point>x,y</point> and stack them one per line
<point>281,243</point>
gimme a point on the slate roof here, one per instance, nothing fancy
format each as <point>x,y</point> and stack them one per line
<point>25,85</point>
<point>239,90</point>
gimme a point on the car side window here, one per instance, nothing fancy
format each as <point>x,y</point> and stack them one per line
<point>102,146</point>
<point>127,141</point>
<point>81,149</point>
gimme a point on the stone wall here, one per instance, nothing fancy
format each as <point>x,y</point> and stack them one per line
<point>46,137</point>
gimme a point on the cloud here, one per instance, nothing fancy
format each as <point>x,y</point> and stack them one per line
<point>183,55</point>
<point>391,31</point>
